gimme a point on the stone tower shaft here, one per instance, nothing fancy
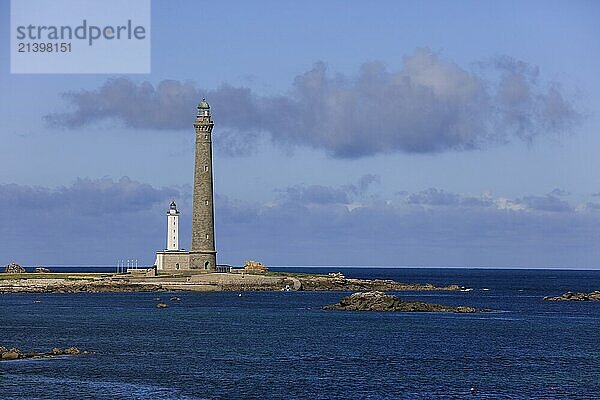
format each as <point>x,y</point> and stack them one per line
<point>202,251</point>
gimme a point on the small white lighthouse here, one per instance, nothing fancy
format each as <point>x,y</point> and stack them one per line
<point>173,228</point>
<point>172,258</point>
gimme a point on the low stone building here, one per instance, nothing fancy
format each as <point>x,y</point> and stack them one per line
<point>254,266</point>
<point>172,260</point>
<point>142,272</point>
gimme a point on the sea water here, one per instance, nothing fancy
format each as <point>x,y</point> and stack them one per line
<point>282,345</point>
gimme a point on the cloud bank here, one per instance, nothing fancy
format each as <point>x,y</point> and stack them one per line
<point>429,105</point>
<point>432,227</point>
<point>86,196</point>
<point>91,221</point>
<point>99,221</point>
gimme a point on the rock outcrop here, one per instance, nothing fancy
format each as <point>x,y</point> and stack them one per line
<point>379,301</point>
<point>41,270</point>
<point>14,268</point>
<point>262,281</point>
<point>12,354</point>
<point>570,296</point>
<point>16,354</point>
<point>74,286</point>
<point>340,282</point>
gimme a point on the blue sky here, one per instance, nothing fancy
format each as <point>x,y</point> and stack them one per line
<point>346,133</point>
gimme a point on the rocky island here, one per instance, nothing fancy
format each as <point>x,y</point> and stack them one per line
<point>379,301</point>
<point>17,354</point>
<point>570,296</point>
<point>185,281</point>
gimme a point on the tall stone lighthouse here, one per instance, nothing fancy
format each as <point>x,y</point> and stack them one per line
<point>203,255</point>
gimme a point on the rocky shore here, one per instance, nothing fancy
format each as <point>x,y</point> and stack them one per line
<point>335,282</point>
<point>379,301</point>
<point>71,285</point>
<point>98,283</point>
<point>570,296</point>
<point>17,354</point>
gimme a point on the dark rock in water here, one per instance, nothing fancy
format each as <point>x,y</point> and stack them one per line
<point>174,298</point>
<point>16,354</point>
<point>379,301</point>
<point>14,268</point>
<point>570,296</point>
<point>56,351</point>
<point>73,351</point>
<point>41,270</point>
<point>12,354</point>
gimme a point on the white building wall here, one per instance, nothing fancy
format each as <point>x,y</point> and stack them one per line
<point>159,261</point>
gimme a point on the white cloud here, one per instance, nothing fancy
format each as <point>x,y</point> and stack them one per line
<point>429,105</point>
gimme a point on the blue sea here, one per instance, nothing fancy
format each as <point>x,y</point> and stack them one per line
<point>281,345</point>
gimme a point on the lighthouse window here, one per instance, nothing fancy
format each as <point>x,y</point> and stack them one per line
<point>206,202</point>
<point>207,235</point>
<point>206,168</point>
<point>205,137</point>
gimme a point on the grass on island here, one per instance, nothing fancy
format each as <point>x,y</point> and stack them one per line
<point>291,274</point>
<point>258,273</point>
<point>54,275</point>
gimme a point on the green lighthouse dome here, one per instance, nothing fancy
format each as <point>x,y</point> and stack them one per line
<point>203,105</point>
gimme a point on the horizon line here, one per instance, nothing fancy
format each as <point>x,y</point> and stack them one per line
<point>482,267</point>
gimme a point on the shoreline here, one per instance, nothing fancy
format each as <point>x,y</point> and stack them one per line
<point>206,282</point>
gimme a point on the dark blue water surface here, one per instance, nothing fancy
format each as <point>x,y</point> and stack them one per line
<point>281,345</point>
